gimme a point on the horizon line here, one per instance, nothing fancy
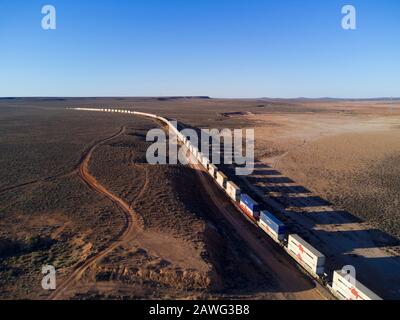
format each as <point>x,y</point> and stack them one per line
<point>200,97</point>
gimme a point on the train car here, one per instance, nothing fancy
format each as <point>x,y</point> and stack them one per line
<point>195,153</point>
<point>205,162</point>
<point>221,179</point>
<point>233,191</point>
<point>200,157</point>
<point>306,255</point>
<point>346,287</point>
<point>272,226</point>
<point>180,136</point>
<point>212,170</point>
<point>250,207</point>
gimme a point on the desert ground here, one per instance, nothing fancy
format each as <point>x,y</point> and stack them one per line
<point>76,192</point>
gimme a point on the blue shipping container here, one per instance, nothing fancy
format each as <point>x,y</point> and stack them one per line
<point>249,202</point>
<point>273,222</point>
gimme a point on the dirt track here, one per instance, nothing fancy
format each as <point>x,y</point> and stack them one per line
<point>131,220</point>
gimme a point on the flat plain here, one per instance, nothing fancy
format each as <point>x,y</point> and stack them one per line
<point>328,167</point>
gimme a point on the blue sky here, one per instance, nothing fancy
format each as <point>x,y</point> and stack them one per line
<point>220,48</point>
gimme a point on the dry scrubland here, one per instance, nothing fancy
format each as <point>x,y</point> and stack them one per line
<point>49,215</point>
<point>357,172</point>
<point>347,152</point>
<point>181,252</point>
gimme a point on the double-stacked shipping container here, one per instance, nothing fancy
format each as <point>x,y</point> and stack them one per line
<point>306,255</point>
<point>250,207</point>
<point>272,226</point>
<point>346,287</point>
<point>233,191</point>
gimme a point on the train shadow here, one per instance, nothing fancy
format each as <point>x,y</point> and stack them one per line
<point>379,274</point>
<point>343,237</point>
<point>240,271</point>
<point>331,217</point>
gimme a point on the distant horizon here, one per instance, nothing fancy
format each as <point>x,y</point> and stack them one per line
<point>197,97</point>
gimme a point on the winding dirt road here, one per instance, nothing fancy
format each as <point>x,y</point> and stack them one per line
<point>132,221</point>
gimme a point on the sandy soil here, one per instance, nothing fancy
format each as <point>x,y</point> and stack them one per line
<point>115,227</point>
<point>328,168</point>
<point>336,175</point>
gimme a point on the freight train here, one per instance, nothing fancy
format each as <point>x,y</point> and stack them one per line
<point>309,258</point>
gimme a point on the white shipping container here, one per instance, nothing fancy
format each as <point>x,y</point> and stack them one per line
<point>233,190</point>
<point>277,237</point>
<point>199,157</point>
<point>212,170</point>
<point>346,287</point>
<point>221,179</point>
<point>205,162</point>
<point>305,254</point>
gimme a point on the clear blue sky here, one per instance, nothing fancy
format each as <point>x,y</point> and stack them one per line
<point>221,48</point>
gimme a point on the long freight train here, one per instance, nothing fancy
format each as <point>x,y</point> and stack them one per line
<point>308,257</point>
